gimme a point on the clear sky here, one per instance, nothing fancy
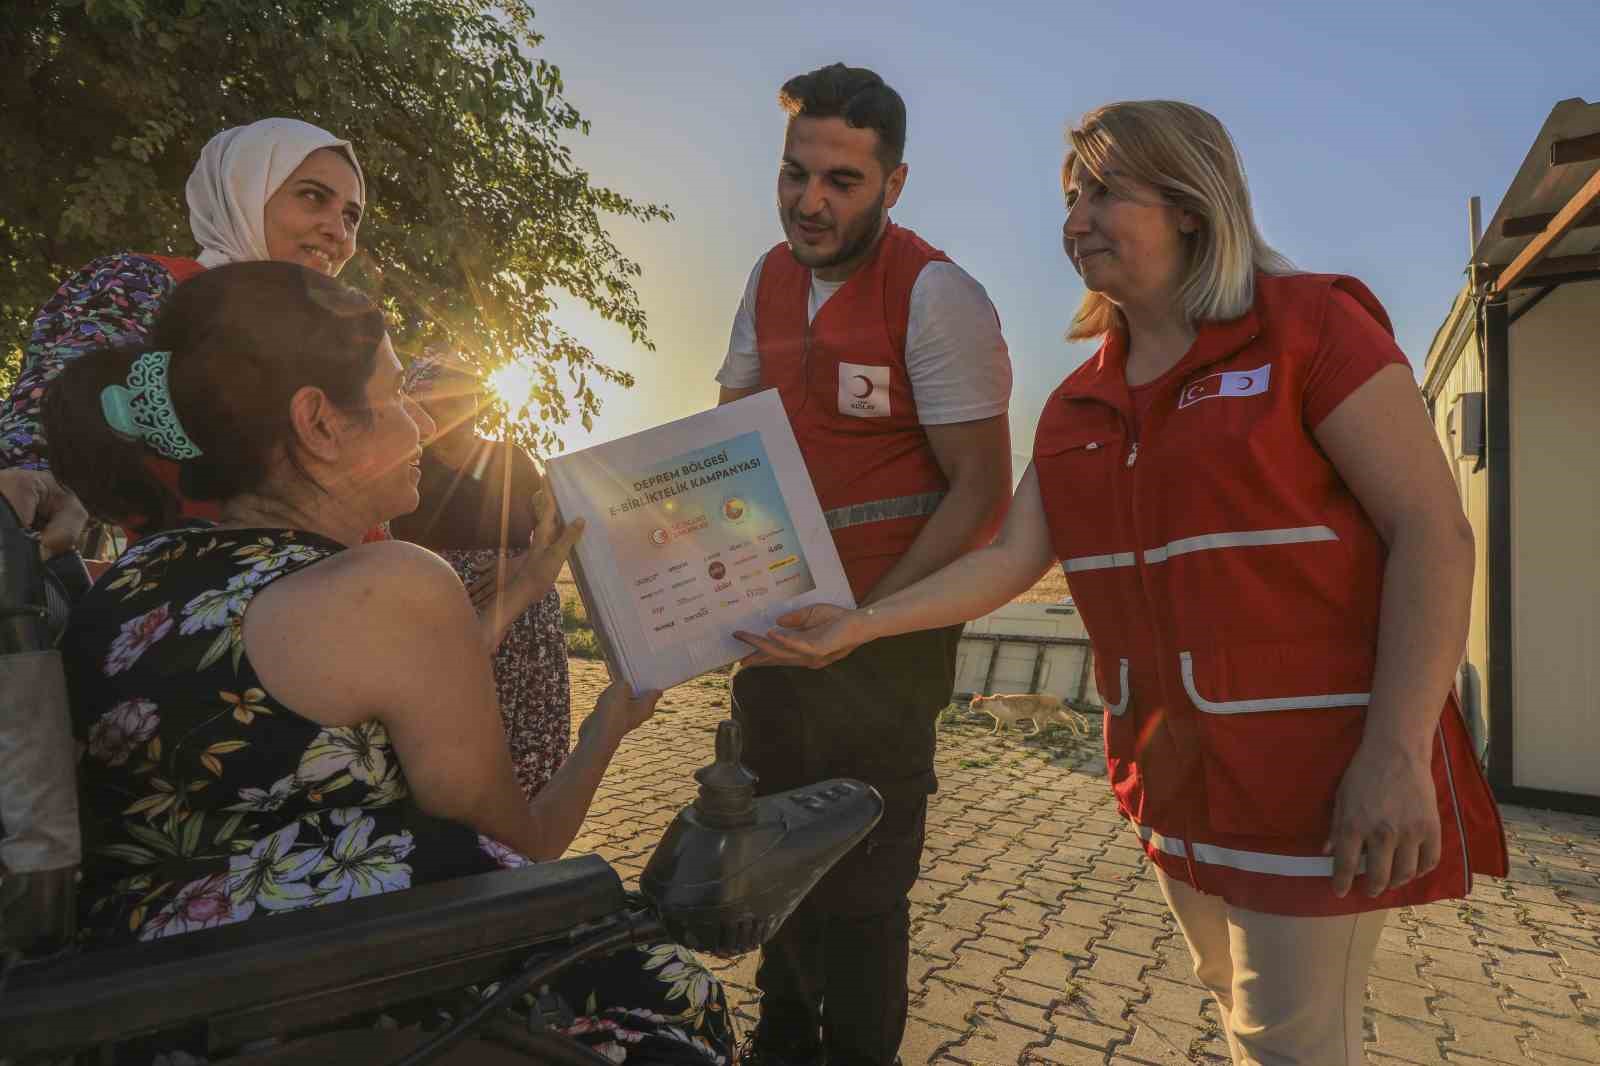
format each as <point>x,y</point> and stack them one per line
<point>1364,128</point>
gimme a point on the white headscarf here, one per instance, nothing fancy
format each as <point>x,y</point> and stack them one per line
<point>238,172</point>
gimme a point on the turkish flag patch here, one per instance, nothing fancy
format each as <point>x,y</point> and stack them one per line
<point>1228,383</point>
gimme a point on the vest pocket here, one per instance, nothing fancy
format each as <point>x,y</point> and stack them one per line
<point>1278,725</point>
<point>1090,438</point>
<point>1077,466</point>
<point>1119,706</point>
<point>1120,734</point>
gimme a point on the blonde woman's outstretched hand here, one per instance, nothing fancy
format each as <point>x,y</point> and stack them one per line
<point>812,637</point>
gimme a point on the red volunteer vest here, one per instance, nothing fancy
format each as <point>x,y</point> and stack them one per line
<point>182,268</point>
<point>1230,583</point>
<point>844,385</point>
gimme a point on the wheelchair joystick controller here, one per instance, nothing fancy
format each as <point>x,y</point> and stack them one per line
<point>732,867</point>
<point>727,789</point>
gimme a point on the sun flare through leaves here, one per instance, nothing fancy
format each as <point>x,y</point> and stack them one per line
<point>513,385</point>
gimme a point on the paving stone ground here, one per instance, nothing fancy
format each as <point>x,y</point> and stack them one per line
<point>1039,935</point>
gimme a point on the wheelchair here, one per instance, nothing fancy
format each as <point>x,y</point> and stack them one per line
<point>725,874</point>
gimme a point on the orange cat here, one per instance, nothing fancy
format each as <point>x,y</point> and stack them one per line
<point>1041,709</point>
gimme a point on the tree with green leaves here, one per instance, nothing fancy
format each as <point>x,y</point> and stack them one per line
<point>478,216</point>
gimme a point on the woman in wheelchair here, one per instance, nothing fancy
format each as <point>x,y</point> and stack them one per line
<point>274,715</point>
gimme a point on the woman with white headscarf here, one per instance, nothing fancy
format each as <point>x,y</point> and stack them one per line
<point>275,189</point>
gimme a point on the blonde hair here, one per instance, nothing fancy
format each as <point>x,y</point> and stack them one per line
<point>1187,154</point>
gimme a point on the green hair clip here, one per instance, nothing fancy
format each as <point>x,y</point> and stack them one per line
<point>143,410</point>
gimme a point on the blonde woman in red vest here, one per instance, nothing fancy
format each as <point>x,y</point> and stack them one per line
<point>1269,554</point>
<point>895,376</point>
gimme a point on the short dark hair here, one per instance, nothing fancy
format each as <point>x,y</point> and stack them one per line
<point>856,95</point>
<point>244,338</point>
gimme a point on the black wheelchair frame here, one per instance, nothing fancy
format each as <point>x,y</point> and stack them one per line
<point>328,964</point>
<point>726,873</point>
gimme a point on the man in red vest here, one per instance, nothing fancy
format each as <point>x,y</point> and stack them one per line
<point>895,376</point>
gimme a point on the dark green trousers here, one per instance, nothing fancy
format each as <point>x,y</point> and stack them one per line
<point>836,971</point>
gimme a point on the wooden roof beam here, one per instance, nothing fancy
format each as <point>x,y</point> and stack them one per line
<point>1550,267</point>
<point>1581,203</point>
<point>1528,225</point>
<point>1575,150</point>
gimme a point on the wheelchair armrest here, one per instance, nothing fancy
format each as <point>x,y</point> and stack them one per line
<point>275,975</point>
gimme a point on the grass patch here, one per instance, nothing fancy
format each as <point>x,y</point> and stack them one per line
<point>958,717</point>
<point>581,641</point>
<point>573,616</point>
<point>1056,734</point>
<point>1198,1046</point>
<point>583,644</point>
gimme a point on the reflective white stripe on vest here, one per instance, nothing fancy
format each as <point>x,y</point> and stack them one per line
<point>859,514</point>
<point>1455,807</point>
<point>1096,562</point>
<point>1282,703</point>
<point>1120,708</point>
<point>1248,538</point>
<point>1251,538</point>
<point>1256,862</point>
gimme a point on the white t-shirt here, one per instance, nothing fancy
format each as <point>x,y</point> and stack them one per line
<point>955,354</point>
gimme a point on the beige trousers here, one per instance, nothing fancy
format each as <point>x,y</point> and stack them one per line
<point>1289,990</point>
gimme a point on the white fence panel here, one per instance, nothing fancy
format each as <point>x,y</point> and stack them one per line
<point>1049,653</point>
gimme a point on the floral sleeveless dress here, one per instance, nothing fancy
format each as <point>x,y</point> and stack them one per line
<point>530,677</point>
<point>207,802</point>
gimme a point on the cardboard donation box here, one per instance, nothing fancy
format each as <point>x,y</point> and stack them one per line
<point>695,529</point>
